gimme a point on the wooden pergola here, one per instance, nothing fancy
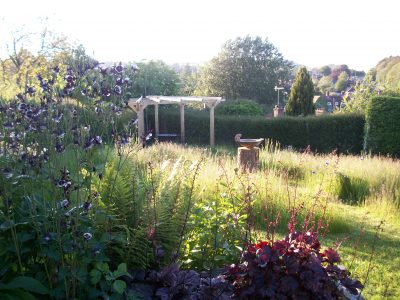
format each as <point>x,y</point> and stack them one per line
<point>138,105</point>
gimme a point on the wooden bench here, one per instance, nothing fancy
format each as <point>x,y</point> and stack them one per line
<point>170,137</point>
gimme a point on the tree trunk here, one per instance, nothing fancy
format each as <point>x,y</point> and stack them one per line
<point>247,159</point>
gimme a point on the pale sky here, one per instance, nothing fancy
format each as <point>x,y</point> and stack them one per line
<point>309,32</point>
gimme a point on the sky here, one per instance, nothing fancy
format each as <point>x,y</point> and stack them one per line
<point>309,32</point>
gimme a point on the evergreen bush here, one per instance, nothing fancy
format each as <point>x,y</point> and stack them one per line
<point>383,125</point>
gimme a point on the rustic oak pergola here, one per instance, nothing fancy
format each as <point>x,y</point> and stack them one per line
<point>138,105</point>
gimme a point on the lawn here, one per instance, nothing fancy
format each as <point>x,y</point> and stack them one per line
<point>362,209</point>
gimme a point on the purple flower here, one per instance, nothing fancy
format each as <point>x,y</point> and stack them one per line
<point>8,125</point>
<point>59,147</point>
<point>103,71</point>
<point>87,236</point>
<point>98,140</point>
<point>119,68</point>
<point>56,69</point>
<point>117,90</point>
<point>30,91</point>
<point>64,203</point>
<point>87,205</point>
<point>105,92</point>
<point>119,81</point>
<point>69,78</point>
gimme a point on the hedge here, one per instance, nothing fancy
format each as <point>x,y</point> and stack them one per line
<point>344,132</point>
<point>383,125</point>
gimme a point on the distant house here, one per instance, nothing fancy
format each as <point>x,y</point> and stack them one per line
<point>349,91</point>
<point>329,102</point>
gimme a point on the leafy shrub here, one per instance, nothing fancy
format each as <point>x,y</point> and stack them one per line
<point>172,283</point>
<point>239,108</point>
<point>54,227</point>
<point>291,268</point>
<point>351,189</point>
<point>383,125</point>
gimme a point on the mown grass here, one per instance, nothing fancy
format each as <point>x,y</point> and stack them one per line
<point>357,195</point>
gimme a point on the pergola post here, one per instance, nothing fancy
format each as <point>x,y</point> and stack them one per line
<point>139,107</point>
<point>156,125</point>
<point>212,131</point>
<point>140,115</point>
<point>182,115</point>
<point>211,105</point>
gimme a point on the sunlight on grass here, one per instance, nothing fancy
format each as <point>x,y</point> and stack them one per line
<point>360,191</point>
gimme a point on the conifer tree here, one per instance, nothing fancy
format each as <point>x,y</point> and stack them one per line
<point>301,96</point>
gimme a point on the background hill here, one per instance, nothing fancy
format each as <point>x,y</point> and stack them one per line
<point>387,72</point>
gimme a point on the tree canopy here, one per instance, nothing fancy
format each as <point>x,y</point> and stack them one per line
<point>156,78</point>
<point>301,96</point>
<point>245,68</point>
<point>387,72</point>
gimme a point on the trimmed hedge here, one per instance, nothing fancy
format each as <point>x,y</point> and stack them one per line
<point>383,125</point>
<point>344,132</point>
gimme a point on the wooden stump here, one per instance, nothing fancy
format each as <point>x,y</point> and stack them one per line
<point>247,159</point>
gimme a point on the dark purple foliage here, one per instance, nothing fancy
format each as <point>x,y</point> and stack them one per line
<point>291,268</point>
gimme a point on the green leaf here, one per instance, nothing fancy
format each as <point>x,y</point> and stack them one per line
<point>121,270</point>
<point>119,286</point>
<point>5,295</point>
<point>103,267</point>
<point>21,295</point>
<point>29,284</point>
<point>95,276</point>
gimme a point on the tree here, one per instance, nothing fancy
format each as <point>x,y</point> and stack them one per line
<point>358,100</point>
<point>245,68</point>
<point>325,70</point>
<point>301,96</point>
<point>325,84</point>
<point>338,70</point>
<point>156,78</point>
<point>341,83</point>
<point>188,79</point>
<point>20,68</point>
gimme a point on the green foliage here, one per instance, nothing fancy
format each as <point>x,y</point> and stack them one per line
<point>301,95</point>
<point>363,92</point>
<point>387,72</point>
<point>351,189</point>
<point>22,287</point>
<point>245,68</point>
<point>188,80</point>
<point>338,70</point>
<point>341,83</point>
<point>325,84</point>
<point>107,284</point>
<point>325,70</point>
<point>344,132</point>
<point>239,108</point>
<point>383,125</point>
<point>156,78</point>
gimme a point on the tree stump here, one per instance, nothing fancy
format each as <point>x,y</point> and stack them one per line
<point>247,159</point>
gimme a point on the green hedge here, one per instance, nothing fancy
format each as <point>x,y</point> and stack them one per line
<point>383,125</point>
<point>344,132</point>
